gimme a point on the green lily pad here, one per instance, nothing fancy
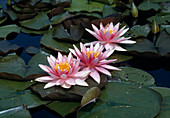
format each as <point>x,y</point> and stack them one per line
<point>7,29</point>
<point>16,112</point>
<point>36,23</point>
<point>166,27</point>
<point>6,47</point>
<point>129,74</point>
<point>53,44</point>
<point>163,42</point>
<point>20,98</point>
<point>124,100</point>
<point>142,45</point>
<point>108,10</point>
<point>32,50</point>
<point>28,31</point>
<point>147,5</point>
<point>140,31</point>
<point>83,5</point>
<point>59,18</point>
<point>11,14</point>
<point>8,87</point>
<point>63,108</point>
<point>13,67</point>
<point>165,107</point>
<point>59,93</point>
<point>160,19</point>
<point>76,32</point>
<point>105,1</point>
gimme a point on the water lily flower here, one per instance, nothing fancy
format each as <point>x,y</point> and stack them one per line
<point>94,59</point>
<point>110,36</point>
<point>64,71</point>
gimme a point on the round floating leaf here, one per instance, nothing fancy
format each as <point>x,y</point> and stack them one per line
<point>38,22</point>
<point>13,67</point>
<point>63,108</point>
<point>140,31</point>
<point>163,42</point>
<point>27,31</point>
<point>16,112</point>
<point>20,98</point>
<point>32,50</point>
<point>5,30</point>
<point>165,108</point>
<point>142,45</point>
<point>6,47</point>
<point>83,5</point>
<point>147,5</point>
<point>11,14</point>
<point>120,57</point>
<point>53,44</point>
<point>7,87</point>
<point>91,94</point>
<point>59,18</point>
<point>108,10</point>
<point>134,75</point>
<point>124,100</point>
<point>74,93</point>
<point>160,19</point>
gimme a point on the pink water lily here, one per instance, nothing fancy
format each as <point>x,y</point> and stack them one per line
<point>110,36</point>
<point>64,71</point>
<point>94,59</point>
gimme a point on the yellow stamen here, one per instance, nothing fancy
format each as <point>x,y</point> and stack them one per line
<point>111,31</point>
<point>95,54</point>
<point>63,66</point>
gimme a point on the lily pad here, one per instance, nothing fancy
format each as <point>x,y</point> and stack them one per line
<point>36,23</point>
<point>60,17</point>
<point>53,44</point>
<point>6,47</point>
<point>84,5</point>
<point>20,98</point>
<point>8,87</point>
<point>129,74</point>
<point>140,31</point>
<point>28,31</point>
<point>74,93</point>
<point>124,100</point>
<point>13,67</point>
<point>7,29</point>
<point>32,50</point>
<point>16,112</point>
<point>160,19</point>
<point>165,108</point>
<point>108,10</point>
<point>147,5</point>
<point>63,108</point>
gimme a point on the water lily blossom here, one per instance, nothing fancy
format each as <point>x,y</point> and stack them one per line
<point>94,59</point>
<point>110,36</point>
<point>64,71</point>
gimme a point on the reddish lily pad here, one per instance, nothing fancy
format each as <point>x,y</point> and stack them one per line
<point>74,93</point>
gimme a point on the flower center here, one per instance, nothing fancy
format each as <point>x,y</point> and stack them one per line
<point>111,31</point>
<point>96,54</point>
<point>63,66</point>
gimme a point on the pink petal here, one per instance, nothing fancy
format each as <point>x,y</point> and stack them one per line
<point>72,51</point>
<point>94,34</point>
<point>127,42</point>
<point>44,79</point>
<point>91,47</point>
<point>83,48</point>
<point>60,82</point>
<point>116,27</point>
<point>108,36</point>
<point>60,57</point>
<point>50,84</point>
<point>51,61</point>
<point>63,76</point>
<point>70,81</point>
<point>94,42</point>
<point>78,53</point>
<point>65,85</point>
<point>106,61</point>
<point>95,75</point>
<point>118,48</point>
<point>111,26</point>
<point>109,46</point>
<point>46,69</point>
<point>101,26</point>
<point>94,61</point>
<point>81,82</point>
<point>110,67</point>
<point>70,57</point>
<point>82,74</point>
<point>95,29</point>
<point>104,71</point>
<point>107,53</point>
<point>96,47</point>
